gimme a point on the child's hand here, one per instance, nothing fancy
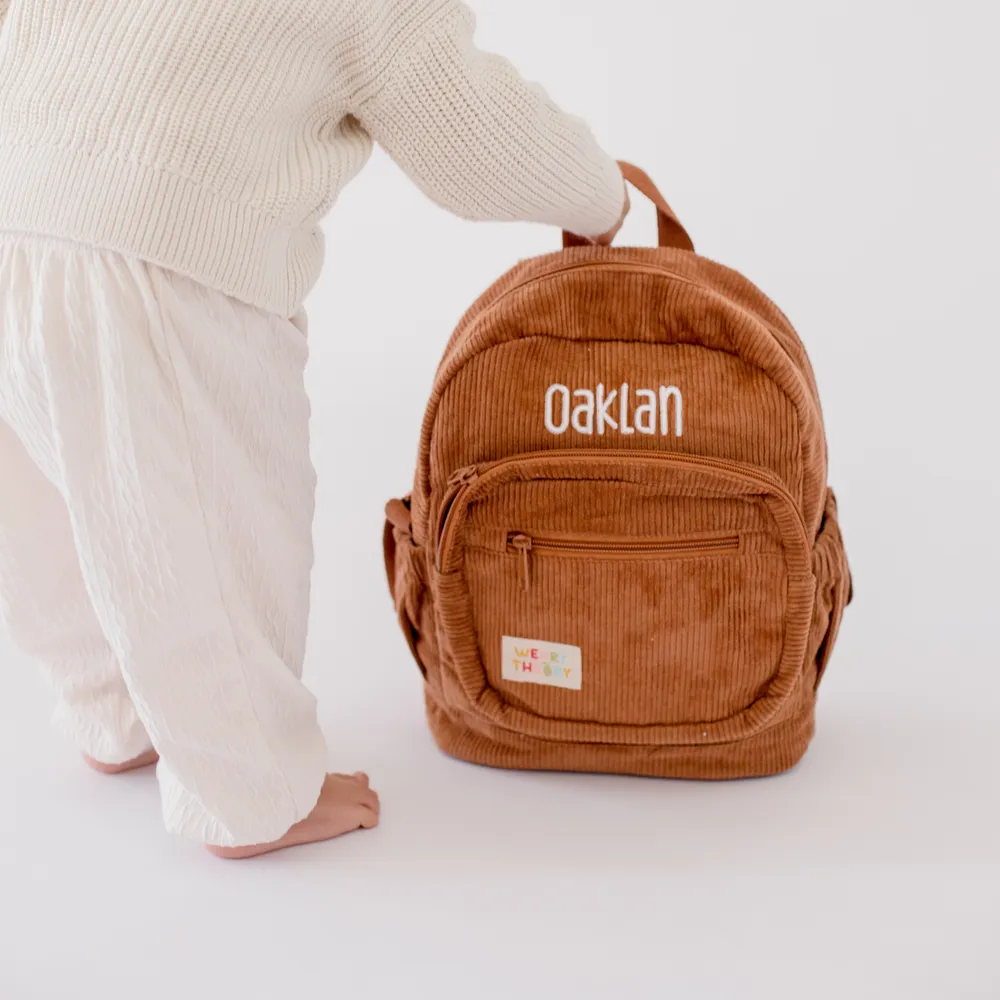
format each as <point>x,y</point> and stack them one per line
<point>606,239</point>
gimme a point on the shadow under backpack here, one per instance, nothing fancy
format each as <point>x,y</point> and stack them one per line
<point>621,553</point>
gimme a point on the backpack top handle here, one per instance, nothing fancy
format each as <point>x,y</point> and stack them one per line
<point>671,232</point>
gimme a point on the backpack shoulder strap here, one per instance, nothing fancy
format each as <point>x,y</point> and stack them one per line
<point>671,232</point>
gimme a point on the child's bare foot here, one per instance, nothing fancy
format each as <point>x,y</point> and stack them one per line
<point>143,760</point>
<point>346,803</point>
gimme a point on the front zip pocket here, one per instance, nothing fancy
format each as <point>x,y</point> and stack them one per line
<point>526,546</point>
<point>684,582</point>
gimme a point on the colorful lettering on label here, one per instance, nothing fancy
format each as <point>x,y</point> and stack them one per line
<point>551,668</point>
<point>537,661</point>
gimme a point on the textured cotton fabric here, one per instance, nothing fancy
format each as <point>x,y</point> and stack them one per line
<point>211,136</point>
<point>155,529</point>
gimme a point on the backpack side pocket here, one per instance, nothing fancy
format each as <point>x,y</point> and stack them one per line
<point>834,587</point>
<point>404,568</point>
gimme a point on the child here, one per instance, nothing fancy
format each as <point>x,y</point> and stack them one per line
<point>163,171</point>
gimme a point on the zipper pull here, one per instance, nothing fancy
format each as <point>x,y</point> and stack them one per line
<point>457,481</point>
<point>463,477</point>
<point>522,544</point>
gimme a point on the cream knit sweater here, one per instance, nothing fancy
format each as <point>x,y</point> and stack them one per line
<point>211,136</point>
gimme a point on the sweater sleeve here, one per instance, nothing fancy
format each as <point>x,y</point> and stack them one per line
<point>482,142</point>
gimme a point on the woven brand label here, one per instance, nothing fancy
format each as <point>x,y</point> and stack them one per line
<point>533,661</point>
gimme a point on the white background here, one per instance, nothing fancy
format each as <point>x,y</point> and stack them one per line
<point>845,157</point>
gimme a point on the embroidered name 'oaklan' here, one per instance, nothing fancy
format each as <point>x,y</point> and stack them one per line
<point>587,411</point>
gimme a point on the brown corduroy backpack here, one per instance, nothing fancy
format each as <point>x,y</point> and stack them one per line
<point>621,553</point>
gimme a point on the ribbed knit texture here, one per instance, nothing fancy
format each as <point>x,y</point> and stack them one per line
<point>705,599</point>
<point>212,137</point>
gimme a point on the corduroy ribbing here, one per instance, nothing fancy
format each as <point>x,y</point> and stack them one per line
<point>699,573</point>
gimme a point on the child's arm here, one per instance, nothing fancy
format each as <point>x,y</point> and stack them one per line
<point>481,141</point>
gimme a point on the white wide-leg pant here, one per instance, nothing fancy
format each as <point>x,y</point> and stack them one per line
<point>156,505</point>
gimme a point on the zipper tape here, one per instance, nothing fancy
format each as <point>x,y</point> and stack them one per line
<point>472,481</point>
